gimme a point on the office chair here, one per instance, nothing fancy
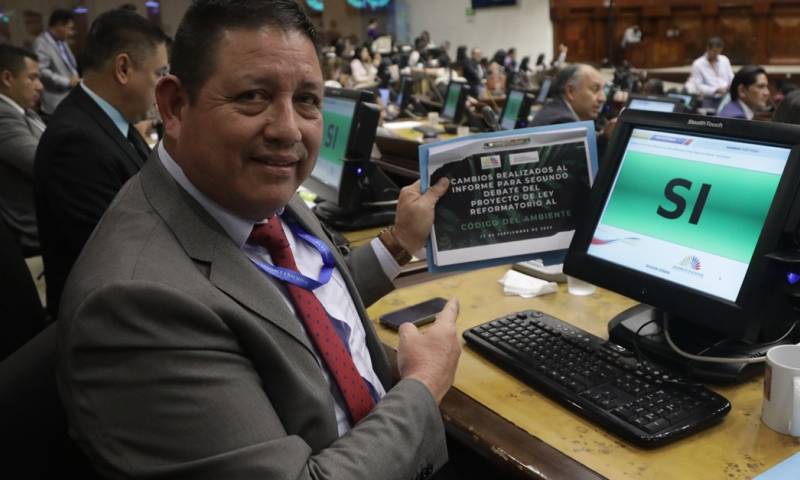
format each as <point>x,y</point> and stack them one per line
<point>22,314</point>
<point>33,429</point>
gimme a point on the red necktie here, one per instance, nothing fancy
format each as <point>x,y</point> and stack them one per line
<point>318,325</point>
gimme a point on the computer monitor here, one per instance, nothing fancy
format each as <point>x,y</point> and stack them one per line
<point>517,108</point>
<point>687,99</point>
<point>654,103</point>
<point>404,92</point>
<point>544,91</point>
<point>453,108</point>
<point>682,216</point>
<point>344,177</point>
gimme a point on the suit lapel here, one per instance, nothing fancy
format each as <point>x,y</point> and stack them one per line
<point>205,241</point>
<point>88,105</point>
<point>309,222</point>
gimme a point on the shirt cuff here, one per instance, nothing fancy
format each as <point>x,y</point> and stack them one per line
<point>388,264</point>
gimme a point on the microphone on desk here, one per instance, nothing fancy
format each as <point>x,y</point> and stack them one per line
<point>490,118</point>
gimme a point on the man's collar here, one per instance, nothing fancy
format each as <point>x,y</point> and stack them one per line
<point>748,112</point>
<point>14,104</point>
<point>566,102</point>
<point>115,115</point>
<point>237,228</point>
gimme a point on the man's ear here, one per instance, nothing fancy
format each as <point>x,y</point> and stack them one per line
<point>122,65</point>
<point>6,78</point>
<point>569,92</point>
<point>172,99</point>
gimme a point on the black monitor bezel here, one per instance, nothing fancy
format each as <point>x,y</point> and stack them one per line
<point>748,314</point>
<point>544,89</point>
<point>405,88</point>
<point>462,97</point>
<point>524,108</point>
<point>356,155</point>
<point>678,105</point>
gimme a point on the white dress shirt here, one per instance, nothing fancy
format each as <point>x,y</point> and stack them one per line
<point>706,77</point>
<point>333,296</point>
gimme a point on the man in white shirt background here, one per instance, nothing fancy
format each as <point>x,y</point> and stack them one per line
<point>711,74</point>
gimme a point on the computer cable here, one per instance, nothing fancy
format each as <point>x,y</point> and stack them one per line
<point>701,358</point>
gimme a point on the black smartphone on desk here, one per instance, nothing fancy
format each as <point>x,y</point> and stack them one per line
<point>418,314</point>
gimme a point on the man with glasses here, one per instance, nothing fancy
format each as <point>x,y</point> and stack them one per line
<point>91,147</point>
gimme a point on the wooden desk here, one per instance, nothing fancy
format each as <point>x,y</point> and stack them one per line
<point>540,439</point>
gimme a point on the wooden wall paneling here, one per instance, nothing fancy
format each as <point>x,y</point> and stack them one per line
<point>738,31</point>
<point>577,32</point>
<point>675,31</point>
<point>783,41</point>
<point>688,30</point>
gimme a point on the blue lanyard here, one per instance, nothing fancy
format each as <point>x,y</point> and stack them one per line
<point>297,278</point>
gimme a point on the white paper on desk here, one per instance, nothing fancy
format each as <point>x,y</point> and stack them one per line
<point>516,283</point>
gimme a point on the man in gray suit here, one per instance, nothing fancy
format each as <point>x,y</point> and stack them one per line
<point>20,130</point>
<point>210,329</point>
<point>57,65</point>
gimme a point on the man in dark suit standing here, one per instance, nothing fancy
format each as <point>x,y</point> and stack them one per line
<point>91,147</point>
<point>20,130</point>
<point>57,64</point>
<point>210,329</point>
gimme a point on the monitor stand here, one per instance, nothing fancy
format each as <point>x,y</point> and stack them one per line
<point>354,219</point>
<point>690,338</point>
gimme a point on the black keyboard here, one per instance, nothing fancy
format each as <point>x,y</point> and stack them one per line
<point>636,400</point>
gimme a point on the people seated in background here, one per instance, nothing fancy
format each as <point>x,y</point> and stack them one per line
<point>372,30</point>
<point>58,69</point>
<point>474,73</point>
<point>653,86</point>
<point>332,70</point>
<point>496,74</point>
<point>788,110</point>
<point>577,94</point>
<point>749,93</point>
<point>91,147</point>
<point>363,69</point>
<point>20,130</point>
<point>524,79</point>
<point>711,74</point>
<point>194,344</point>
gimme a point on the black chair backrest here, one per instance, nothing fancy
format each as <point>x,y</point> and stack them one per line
<point>33,429</point>
<point>21,312</point>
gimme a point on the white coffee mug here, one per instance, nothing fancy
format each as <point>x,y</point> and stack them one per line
<point>781,408</point>
<point>433,118</point>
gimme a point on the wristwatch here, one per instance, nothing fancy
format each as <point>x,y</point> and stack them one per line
<point>400,254</point>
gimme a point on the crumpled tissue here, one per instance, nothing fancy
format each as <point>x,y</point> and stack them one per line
<point>516,283</point>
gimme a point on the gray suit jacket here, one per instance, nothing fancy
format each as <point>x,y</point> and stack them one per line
<point>53,71</point>
<point>18,141</point>
<point>180,359</point>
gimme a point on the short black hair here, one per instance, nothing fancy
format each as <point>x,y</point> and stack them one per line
<point>193,55</point>
<point>789,109</point>
<point>120,31</point>
<point>714,42</point>
<point>746,76</point>
<point>13,58</point>
<point>61,16</point>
